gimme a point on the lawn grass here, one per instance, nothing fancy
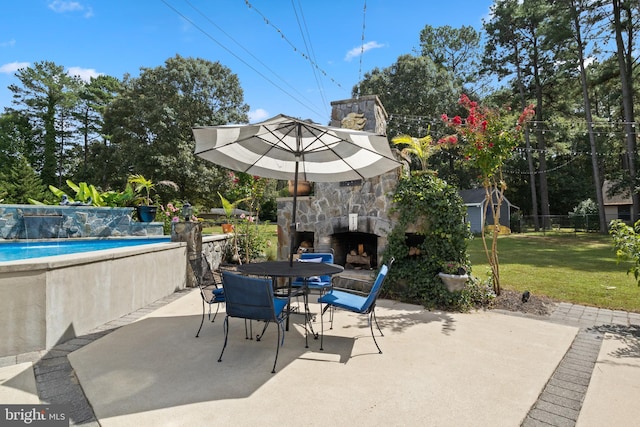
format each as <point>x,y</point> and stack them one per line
<point>579,268</point>
<point>270,231</point>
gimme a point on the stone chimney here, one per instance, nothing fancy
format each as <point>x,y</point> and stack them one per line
<point>364,113</point>
<point>349,218</point>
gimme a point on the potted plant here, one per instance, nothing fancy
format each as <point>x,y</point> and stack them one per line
<point>454,275</point>
<point>229,209</point>
<point>143,188</point>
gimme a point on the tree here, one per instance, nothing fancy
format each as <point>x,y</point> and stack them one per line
<point>453,49</point>
<point>488,139</point>
<point>413,86</point>
<point>150,124</point>
<point>624,28</point>
<point>45,99</point>
<point>94,98</point>
<point>574,15</point>
<point>503,56</point>
<point>20,182</point>
<point>15,138</point>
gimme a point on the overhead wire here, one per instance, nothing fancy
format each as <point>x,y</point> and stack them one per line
<point>248,51</point>
<point>238,57</point>
<point>364,15</point>
<point>306,38</point>
<point>295,49</point>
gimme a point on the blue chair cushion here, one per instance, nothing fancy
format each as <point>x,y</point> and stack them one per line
<point>314,282</point>
<point>279,304</point>
<point>345,300</point>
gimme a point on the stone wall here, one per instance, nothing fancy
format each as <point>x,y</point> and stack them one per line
<point>51,221</point>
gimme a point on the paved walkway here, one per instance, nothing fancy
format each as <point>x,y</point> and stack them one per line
<point>559,404</point>
<point>561,400</point>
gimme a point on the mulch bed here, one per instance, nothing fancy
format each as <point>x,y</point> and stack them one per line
<point>513,301</point>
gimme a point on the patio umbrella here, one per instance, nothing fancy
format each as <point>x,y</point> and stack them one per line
<point>287,148</point>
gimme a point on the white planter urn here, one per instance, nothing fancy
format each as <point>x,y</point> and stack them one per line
<point>454,282</point>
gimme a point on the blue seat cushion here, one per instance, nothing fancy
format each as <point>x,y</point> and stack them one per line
<point>344,300</point>
<point>279,304</point>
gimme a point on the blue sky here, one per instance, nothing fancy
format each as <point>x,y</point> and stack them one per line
<point>259,40</point>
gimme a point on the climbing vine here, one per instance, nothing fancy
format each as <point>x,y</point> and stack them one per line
<point>431,230</point>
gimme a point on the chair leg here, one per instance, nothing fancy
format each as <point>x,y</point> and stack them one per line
<point>372,315</point>
<point>226,335</point>
<point>259,337</point>
<point>216,313</point>
<point>202,321</point>
<point>273,371</point>
<point>322,325</point>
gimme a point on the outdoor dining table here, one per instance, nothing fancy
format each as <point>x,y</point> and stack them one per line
<point>288,269</point>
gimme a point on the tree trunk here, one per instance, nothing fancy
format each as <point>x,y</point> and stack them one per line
<point>532,171</point>
<point>625,64</point>
<point>589,118</point>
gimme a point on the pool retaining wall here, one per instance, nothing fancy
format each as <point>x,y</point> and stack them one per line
<point>46,301</point>
<point>51,221</point>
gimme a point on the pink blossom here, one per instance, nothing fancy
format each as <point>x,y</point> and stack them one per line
<point>175,219</point>
<point>456,120</point>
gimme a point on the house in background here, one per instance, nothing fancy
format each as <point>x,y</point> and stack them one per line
<point>475,201</point>
<point>617,206</point>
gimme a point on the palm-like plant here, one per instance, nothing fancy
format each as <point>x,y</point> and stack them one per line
<point>420,148</point>
<point>143,187</point>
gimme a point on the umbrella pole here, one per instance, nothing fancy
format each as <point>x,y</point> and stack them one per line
<point>293,228</point>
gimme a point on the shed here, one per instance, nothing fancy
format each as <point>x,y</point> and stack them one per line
<point>616,206</point>
<point>475,201</point>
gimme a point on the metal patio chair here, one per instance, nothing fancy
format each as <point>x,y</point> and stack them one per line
<point>356,302</point>
<point>211,291</point>
<point>251,298</point>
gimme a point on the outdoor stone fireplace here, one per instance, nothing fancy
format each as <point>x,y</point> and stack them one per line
<point>349,218</point>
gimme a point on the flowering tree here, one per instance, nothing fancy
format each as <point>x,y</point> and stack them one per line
<point>487,138</point>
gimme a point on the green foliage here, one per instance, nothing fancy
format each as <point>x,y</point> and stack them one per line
<point>21,183</point>
<point>420,148</point>
<point>251,239</point>
<point>626,241</point>
<point>585,207</point>
<point>150,124</point>
<point>431,219</point>
<point>144,187</point>
<point>87,194</point>
<point>476,294</point>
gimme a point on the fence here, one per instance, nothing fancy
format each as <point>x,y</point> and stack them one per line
<point>549,223</point>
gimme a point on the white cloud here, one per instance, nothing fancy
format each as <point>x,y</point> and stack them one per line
<point>12,67</point>
<point>353,53</point>
<point>63,6</point>
<point>10,43</point>
<point>85,74</point>
<point>257,115</point>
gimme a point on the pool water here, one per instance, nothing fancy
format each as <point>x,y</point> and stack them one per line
<point>13,251</point>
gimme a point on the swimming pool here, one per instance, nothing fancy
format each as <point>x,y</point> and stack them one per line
<point>17,250</point>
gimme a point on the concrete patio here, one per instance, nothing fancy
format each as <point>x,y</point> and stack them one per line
<point>438,368</point>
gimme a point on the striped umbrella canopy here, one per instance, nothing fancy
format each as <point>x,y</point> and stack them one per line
<point>287,148</point>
